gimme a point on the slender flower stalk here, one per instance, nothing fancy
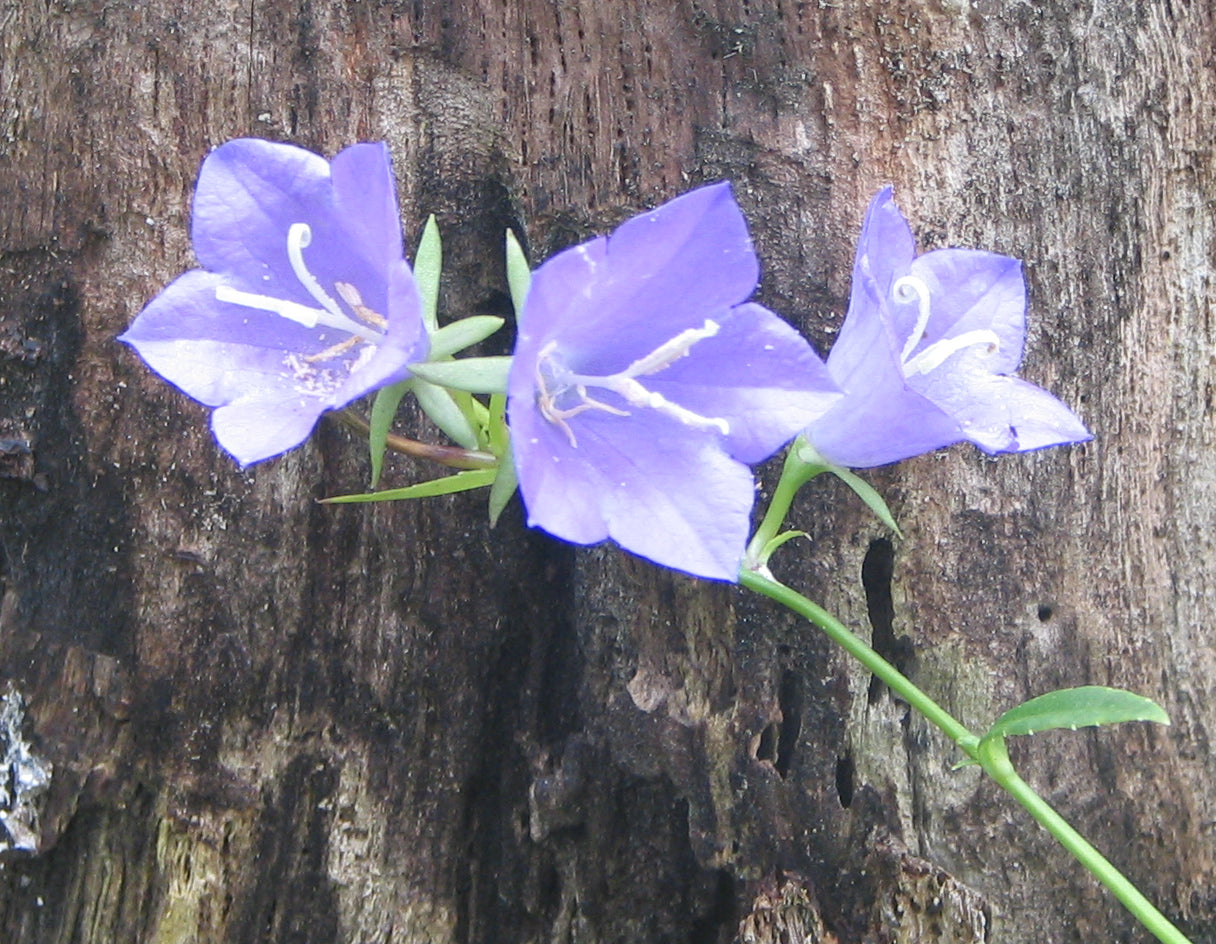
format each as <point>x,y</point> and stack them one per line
<point>989,752</point>
<point>453,457</point>
<point>991,756</point>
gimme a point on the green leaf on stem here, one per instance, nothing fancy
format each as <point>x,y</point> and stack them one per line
<point>867,493</point>
<point>519,276</point>
<point>384,408</point>
<point>439,404</point>
<point>460,482</point>
<point>1074,708</point>
<point>504,486</point>
<point>458,335</point>
<point>814,464</point>
<point>428,262</point>
<point>473,374</point>
<point>767,551</point>
<point>500,445</point>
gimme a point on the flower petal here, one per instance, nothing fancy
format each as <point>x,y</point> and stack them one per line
<point>405,341</point>
<point>884,252</point>
<point>256,429</point>
<point>970,290</point>
<point>655,276</point>
<point>188,309</point>
<point>251,192</point>
<point>1006,414</point>
<point>662,492</point>
<point>885,424</point>
<point>365,199</point>
<point>759,375</point>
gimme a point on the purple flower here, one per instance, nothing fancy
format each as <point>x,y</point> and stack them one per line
<point>926,351</point>
<point>304,302</point>
<point>643,382</point>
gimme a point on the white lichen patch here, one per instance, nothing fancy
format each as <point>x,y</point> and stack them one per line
<point>23,779</point>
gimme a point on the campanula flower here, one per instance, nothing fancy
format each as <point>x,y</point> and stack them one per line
<point>304,302</point>
<point>926,353</point>
<point>643,383</point>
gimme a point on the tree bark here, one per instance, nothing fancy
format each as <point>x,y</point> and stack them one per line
<point>267,720</point>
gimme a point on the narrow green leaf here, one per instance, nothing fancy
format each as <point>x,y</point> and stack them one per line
<point>499,443</point>
<point>477,415</point>
<point>814,464</point>
<point>384,408</point>
<point>772,545</point>
<point>458,335</point>
<point>519,276</point>
<point>504,486</point>
<point>496,425</point>
<point>474,374</point>
<point>444,411</point>
<point>867,493</point>
<point>460,482</point>
<point>428,262</point>
<point>1075,708</point>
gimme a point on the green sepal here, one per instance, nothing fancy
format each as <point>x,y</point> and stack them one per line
<point>497,434</point>
<point>472,374</point>
<point>769,548</point>
<point>428,262</point>
<point>1074,708</point>
<point>519,276</point>
<point>499,437</point>
<point>384,408</point>
<point>460,482</point>
<point>504,486</point>
<point>442,408</point>
<point>867,493</point>
<point>816,464</point>
<point>458,335</point>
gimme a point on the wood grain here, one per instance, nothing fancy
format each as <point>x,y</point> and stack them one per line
<point>272,720</point>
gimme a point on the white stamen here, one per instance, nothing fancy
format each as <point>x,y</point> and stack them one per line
<point>671,351</point>
<point>637,395</point>
<point>932,357</point>
<point>292,311</point>
<point>623,384</point>
<point>935,354</point>
<point>299,236</point>
<point>907,289</point>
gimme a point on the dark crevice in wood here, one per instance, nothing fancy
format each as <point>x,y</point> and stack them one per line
<point>719,923</point>
<point>791,700</point>
<point>877,569</point>
<point>844,780</point>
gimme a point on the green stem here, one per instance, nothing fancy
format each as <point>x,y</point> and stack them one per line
<point>794,474</point>
<point>994,758</point>
<point>854,646</point>
<point>990,754</point>
<point>452,456</point>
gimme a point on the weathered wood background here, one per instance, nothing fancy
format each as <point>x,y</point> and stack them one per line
<point>273,721</point>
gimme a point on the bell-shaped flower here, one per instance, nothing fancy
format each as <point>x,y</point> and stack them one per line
<point>643,383</point>
<point>926,353</point>
<point>304,302</point>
